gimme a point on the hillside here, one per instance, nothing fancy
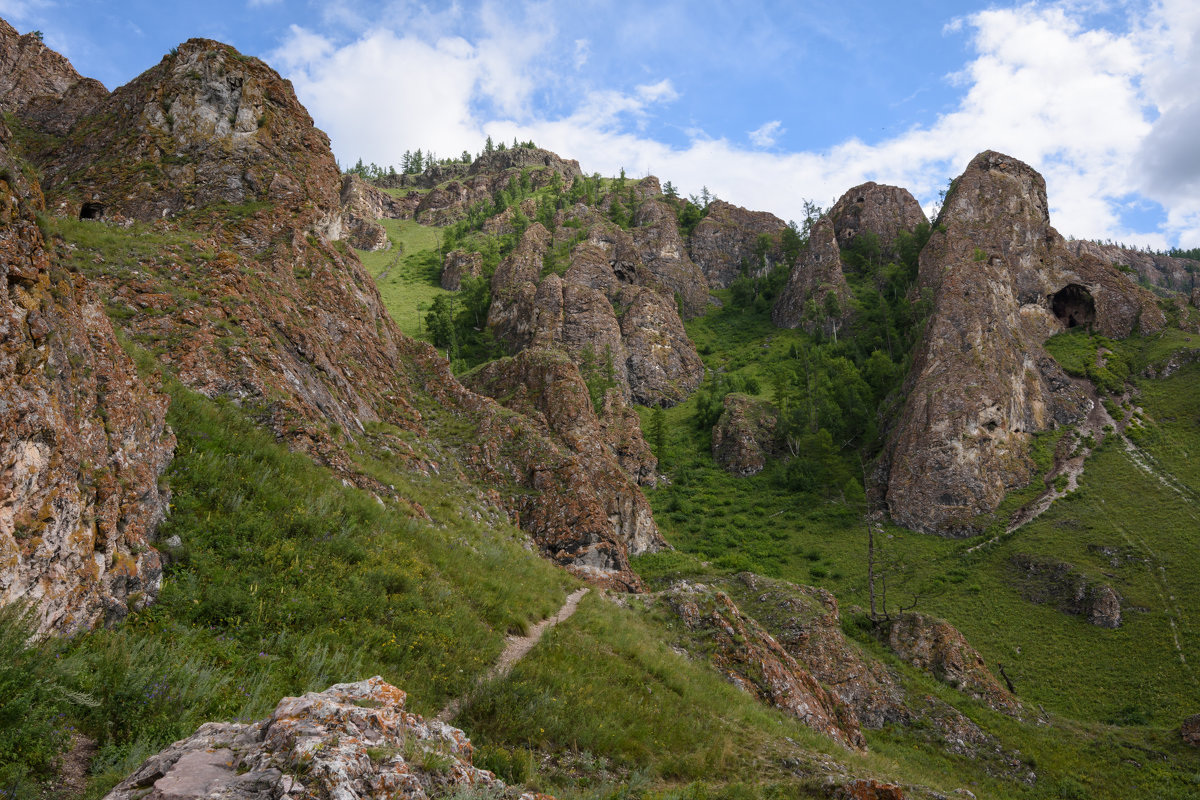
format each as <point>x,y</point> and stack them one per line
<point>869,505</point>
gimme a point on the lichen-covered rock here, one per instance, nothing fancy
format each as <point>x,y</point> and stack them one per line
<point>878,209</point>
<point>40,86</point>
<point>1190,730</point>
<point>727,238</point>
<point>744,435</point>
<point>816,295</point>
<point>363,204</point>
<point>663,251</point>
<point>598,503</point>
<point>1048,581</point>
<point>1002,281</point>
<point>82,440</point>
<point>752,660</point>
<point>1155,269</point>
<point>351,740</point>
<point>662,364</point>
<point>935,646</point>
<point>460,264</point>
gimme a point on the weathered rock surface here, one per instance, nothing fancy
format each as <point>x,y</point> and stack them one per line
<point>663,251</point>
<point>363,204</point>
<point>600,312</point>
<point>460,264</point>
<point>816,295</point>
<point>600,517</point>
<point>935,646</point>
<point>744,435</point>
<point>82,440</point>
<point>1190,730</point>
<point>753,661</point>
<point>1003,281</point>
<point>40,86</point>
<point>880,210</point>
<point>1165,272</point>
<point>351,740</point>
<point>207,125</point>
<point>727,238</point>
<point>1048,581</point>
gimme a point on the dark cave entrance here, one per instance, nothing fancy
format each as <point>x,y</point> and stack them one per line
<point>92,211</point>
<point>1074,306</point>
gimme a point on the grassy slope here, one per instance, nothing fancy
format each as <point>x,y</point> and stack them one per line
<point>410,270</point>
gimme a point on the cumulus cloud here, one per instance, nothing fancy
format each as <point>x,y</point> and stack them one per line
<point>1104,115</point>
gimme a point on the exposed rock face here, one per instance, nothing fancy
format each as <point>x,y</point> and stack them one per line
<point>351,740</point>
<point>878,209</point>
<point>1190,730</point>
<point>816,296</point>
<point>207,125</point>
<point>753,661</point>
<point>535,158</point>
<point>1048,581</point>
<point>1003,281</point>
<point>460,264</point>
<point>82,440</point>
<point>744,435</point>
<point>1166,272</point>
<point>662,249</point>
<point>938,648</point>
<point>601,312</point>
<point>599,517</point>
<point>40,86</point>
<point>727,237</point>
<point>363,204</point>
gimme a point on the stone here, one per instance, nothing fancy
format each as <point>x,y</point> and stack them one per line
<point>460,264</point>
<point>40,86</point>
<point>1165,272</point>
<point>1048,581</point>
<point>83,440</point>
<point>743,435</point>
<point>662,250</point>
<point>883,211</point>
<point>1190,730</point>
<point>816,296</point>
<point>727,238</point>
<point>1001,281</point>
<point>351,740</point>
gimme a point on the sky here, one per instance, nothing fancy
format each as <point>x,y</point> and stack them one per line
<point>766,104</point>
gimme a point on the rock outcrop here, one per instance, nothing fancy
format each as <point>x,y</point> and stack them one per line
<point>1164,272</point>
<point>752,660</point>
<point>351,740</point>
<point>1002,281</point>
<point>727,239</point>
<point>40,86</point>
<point>363,204</point>
<point>935,646</point>
<point>662,250</point>
<point>82,440</point>
<point>460,264</point>
<point>606,312</point>
<point>1190,730</point>
<point>744,435</point>
<point>1048,581</point>
<point>599,518</point>
<point>816,295</point>
<point>881,210</point>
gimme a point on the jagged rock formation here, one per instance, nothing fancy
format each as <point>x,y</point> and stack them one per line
<point>351,740</point>
<point>662,250</point>
<point>600,517</point>
<point>603,311</point>
<point>40,86</point>
<point>460,264</point>
<point>363,204</point>
<point>207,125</point>
<point>1048,581</point>
<point>881,210</point>
<point>1164,272</point>
<point>82,440</point>
<point>816,295</point>
<point>935,646</point>
<point>727,238</point>
<point>752,660</point>
<point>744,435</point>
<point>1003,281</point>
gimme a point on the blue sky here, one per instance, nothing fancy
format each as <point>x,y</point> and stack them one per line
<point>767,104</point>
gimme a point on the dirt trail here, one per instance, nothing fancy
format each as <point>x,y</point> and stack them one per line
<point>516,648</point>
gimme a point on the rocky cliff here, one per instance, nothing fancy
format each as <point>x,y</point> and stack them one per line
<point>1003,281</point>
<point>816,295</point>
<point>727,239</point>
<point>82,440</point>
<point>880,210</point>
<point>40,86</point>
<point>1152,269</point>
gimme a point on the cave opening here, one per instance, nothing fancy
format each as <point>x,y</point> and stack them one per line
<point>92,211</point>
<point>1074,306</point>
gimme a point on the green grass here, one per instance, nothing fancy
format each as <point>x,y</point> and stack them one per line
<point>408,274</point>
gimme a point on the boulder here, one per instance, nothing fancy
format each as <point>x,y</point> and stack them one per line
<point>1048,581</point>
<point>744,435</point>
<point>1001,282</point>
<point>1190,730</point>
<point>351,740</point>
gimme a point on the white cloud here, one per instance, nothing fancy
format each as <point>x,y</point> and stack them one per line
<point>1102,115</point>
<point>767,135</point>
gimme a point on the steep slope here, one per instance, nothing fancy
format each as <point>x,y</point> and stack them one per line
<point>729,237</point>
<point>82,440</point>
<point>981,384</point>
<point>41,87</point>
